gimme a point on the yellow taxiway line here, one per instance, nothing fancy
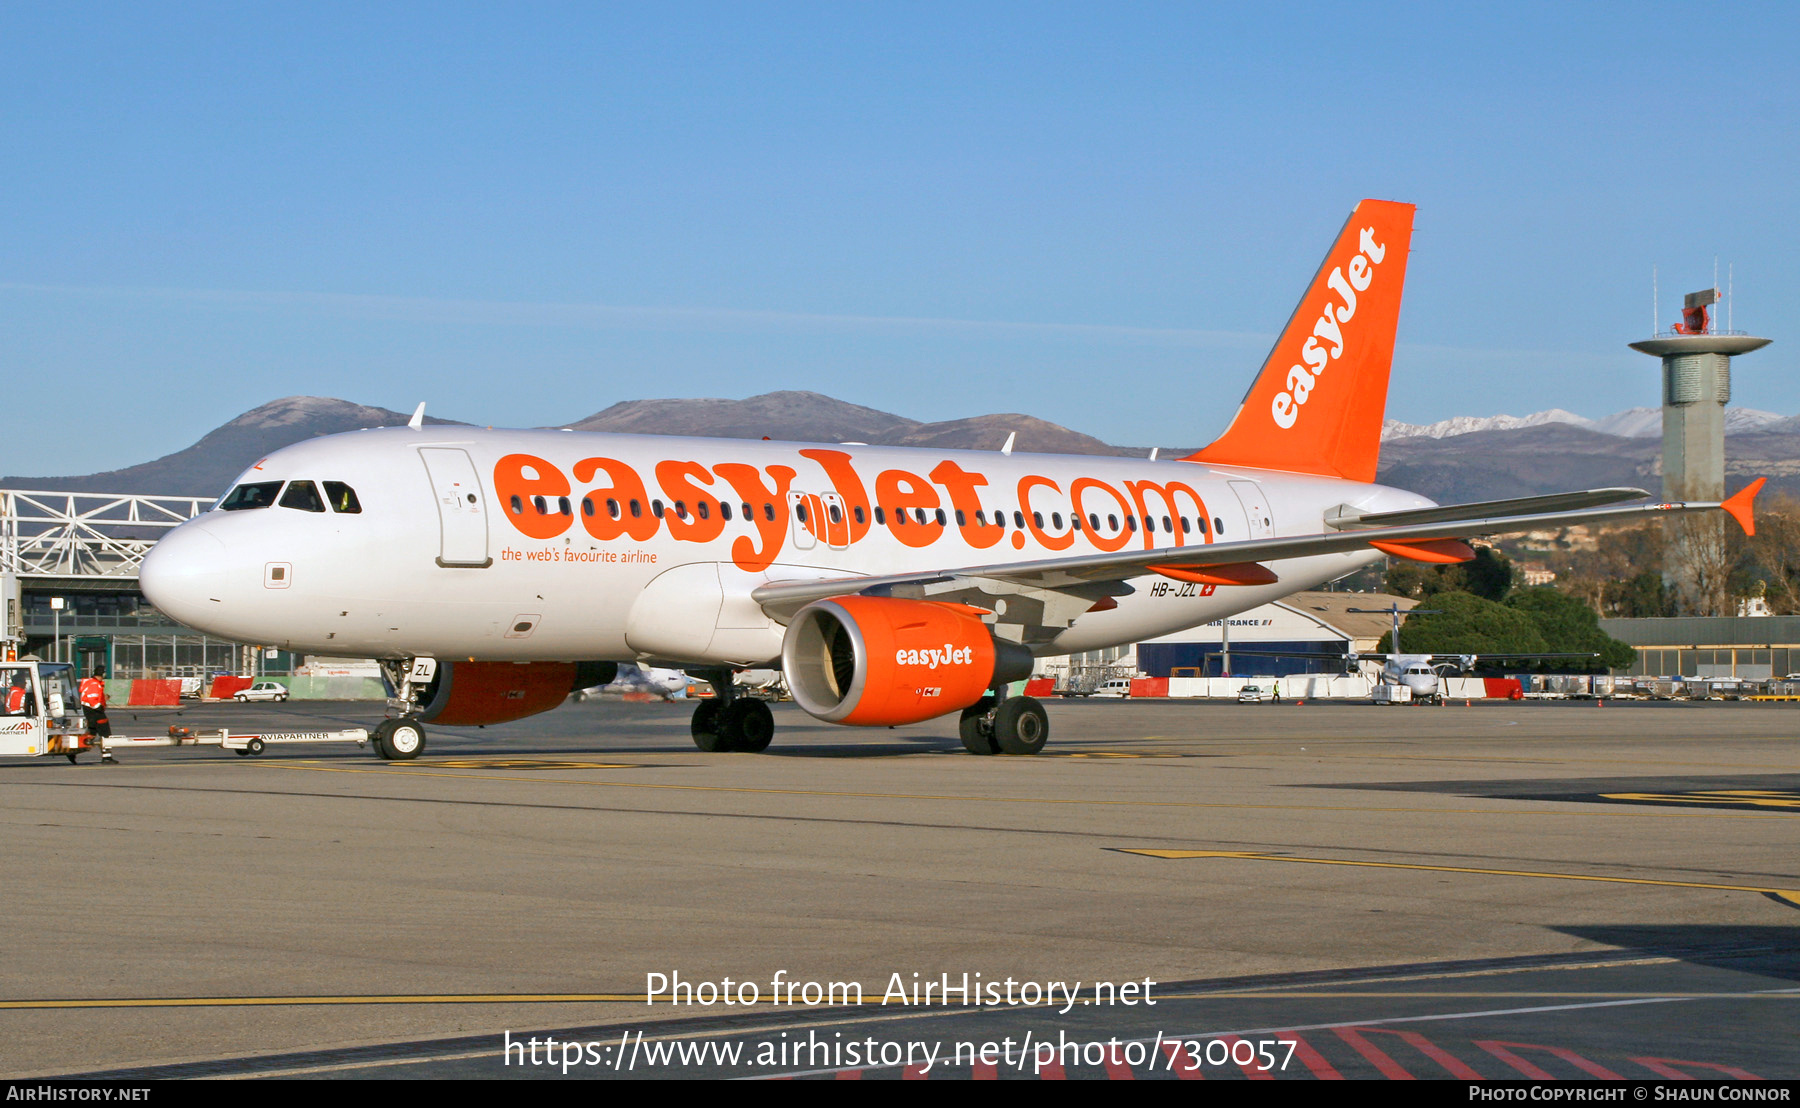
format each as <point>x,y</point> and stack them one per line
<point>1083,801</point>
<point>1791,896</point>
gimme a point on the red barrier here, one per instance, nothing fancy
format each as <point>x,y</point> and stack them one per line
<point>225,687</point>
<point>1040,686</point>
<point>155,693</point>
<point>1149,686</point>
<point>1502,688</point>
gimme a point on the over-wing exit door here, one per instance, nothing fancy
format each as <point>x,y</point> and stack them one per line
<point>461,504</point>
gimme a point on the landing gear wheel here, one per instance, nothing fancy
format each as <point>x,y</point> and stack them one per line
<point>709,727</point>
<point>400,740</point>
<point>748,726</point>
<point>1020,726</point>
<point>254,747</point>
<point>977,730</point>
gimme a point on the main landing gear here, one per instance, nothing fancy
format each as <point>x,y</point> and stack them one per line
<point>730,723</point>
<point>1015,725</point>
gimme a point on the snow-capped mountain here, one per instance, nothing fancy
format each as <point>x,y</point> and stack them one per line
<point>1632,423</point>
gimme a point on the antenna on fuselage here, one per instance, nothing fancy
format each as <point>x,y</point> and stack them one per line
<point>417,421</point>
<point>1007,449</point>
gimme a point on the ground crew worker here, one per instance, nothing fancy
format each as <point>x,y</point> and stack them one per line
<point>18,696</point>
<point>92,692</point>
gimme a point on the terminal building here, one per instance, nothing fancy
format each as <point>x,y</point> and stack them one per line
<point>69,588</point>
<point>1307,622</point>
<point>1753,648</point>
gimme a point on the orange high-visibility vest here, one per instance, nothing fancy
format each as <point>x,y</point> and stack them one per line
<point>15,701</point>
<point>93,693</point>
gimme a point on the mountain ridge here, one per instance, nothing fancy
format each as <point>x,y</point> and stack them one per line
<point>1463,459</point>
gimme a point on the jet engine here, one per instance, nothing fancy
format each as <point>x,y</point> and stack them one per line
<point>879,661</point>
<point>467,694</point>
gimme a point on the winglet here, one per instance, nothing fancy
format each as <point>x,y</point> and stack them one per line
<point>1739,505</point>
<point>418,419</point>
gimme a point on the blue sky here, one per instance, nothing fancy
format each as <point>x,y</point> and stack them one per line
<point>1099,215</point>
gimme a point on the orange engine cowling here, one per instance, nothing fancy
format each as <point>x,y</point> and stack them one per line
<point>877,661</point>
<point>469,694</point>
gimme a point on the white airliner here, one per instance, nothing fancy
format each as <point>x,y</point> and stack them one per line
<point>666,683</point>
<point>493,572</point>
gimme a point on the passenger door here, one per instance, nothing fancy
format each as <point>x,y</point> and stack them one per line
<point>461,505</point>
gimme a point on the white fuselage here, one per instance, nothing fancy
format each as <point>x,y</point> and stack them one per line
<point>1415,672</point>
<point>503,545</point>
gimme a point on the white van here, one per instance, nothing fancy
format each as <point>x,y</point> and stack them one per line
<point>1118,686</point>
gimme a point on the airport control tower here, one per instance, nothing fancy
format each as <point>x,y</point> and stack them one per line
<point>1696,376</point>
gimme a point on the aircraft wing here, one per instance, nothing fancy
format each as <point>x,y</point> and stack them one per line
<point>1090,578</point>
<point>1489,509</point>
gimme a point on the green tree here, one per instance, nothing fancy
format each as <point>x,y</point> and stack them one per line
<point>1489,576</point>
<point>1570,626</point>
<point>1468,624</point>
<point>1640,596</point>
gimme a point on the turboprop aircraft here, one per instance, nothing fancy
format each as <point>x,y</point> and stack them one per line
<point>492,572</point>
<point>666,683</point>
<point>1423,674</point>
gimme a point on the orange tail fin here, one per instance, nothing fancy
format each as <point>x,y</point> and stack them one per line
<point>1318,403</point>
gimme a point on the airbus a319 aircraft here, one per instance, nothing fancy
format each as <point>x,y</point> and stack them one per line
<point>492,572</point>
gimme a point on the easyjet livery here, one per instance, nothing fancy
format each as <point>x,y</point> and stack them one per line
<point>493,572</point>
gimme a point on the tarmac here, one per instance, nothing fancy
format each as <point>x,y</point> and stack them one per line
<point>1499,890</point>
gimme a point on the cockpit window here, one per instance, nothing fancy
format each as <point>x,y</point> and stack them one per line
<point>342,498</point>
<point>245,497</point>
<point>302,495</point>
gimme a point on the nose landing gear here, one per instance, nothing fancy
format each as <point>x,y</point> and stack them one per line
<point>398,740</point>
<point>403,739</point>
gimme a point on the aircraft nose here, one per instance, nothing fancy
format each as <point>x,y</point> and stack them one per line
<point>184,575</point>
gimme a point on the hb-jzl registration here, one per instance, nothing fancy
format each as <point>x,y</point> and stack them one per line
<point>495,571</point>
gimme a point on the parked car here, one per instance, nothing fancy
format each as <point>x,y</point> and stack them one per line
<point>263,690</point>
<point>1253,693</point>
<point>1118,686</point>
